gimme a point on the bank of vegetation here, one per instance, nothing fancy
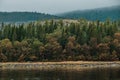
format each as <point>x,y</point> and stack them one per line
<point>59,40</point>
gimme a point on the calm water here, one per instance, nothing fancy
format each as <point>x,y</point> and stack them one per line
<point>94,74</point>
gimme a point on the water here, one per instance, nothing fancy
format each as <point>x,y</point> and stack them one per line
<point>93,74</point>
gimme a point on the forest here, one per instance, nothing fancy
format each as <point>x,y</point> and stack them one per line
<point>91,14</point>
<point>60,40</point>
<point>25,16</point>
<point>94,14</point>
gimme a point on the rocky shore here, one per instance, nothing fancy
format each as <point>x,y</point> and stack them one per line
<point>68,65</point>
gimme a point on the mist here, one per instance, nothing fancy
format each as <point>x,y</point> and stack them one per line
<point>54,6</point>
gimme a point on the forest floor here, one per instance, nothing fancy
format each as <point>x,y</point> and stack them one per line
<point>65,65</point>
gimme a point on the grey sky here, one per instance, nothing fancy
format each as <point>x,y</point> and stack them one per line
<point>54,6</point>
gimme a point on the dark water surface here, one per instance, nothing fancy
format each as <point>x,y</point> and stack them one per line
<point>92,74</point>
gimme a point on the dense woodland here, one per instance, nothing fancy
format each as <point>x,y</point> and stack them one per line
<point>95,14</point>
<point>59,40</point>
<point>24,16</point>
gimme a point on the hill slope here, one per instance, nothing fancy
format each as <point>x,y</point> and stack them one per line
<point>95,14</point>
<point>24,16</point>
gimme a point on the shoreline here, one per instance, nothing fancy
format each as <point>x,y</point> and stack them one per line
<point>65,65</point>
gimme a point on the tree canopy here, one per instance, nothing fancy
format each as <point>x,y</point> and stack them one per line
<point>60,40</point>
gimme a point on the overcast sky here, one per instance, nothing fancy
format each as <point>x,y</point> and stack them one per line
<point>54,6</point>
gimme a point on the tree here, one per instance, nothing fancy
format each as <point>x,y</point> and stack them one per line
<point>3,58</point>
<point>17,50</point>
<point>6,48</point>
<point>26,50</point>
<point>52,49</point>
<point>36,46</point>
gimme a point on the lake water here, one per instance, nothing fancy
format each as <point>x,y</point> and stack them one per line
<point>92,74</point>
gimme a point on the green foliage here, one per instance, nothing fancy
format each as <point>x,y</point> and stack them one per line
<point>95,14</point>
<point>58,40</point>
<point>24,16</point>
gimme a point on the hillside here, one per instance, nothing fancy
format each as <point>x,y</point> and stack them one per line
<point>24,16</point>
<point>94,14</point>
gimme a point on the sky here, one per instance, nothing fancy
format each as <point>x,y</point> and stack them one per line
<point>54,6</point>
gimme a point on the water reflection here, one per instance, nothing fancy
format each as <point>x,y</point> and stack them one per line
<point>93,74</point>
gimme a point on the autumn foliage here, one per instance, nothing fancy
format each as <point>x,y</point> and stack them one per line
<point>59,40</point>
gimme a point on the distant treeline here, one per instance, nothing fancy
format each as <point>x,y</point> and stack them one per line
<point>24,16</point>
<point>95,14</point>
<point>59,40</point>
